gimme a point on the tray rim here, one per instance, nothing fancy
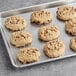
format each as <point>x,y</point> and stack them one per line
<point>6,43</point>
<point>64,2</point>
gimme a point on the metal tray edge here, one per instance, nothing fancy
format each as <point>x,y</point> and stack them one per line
<point>7,47</point>
<point>52,4</point>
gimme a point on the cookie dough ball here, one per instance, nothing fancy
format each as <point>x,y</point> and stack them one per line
<point>15,23</point>
<point>28,55</point>
<point>66,12</point>
<point>41,17</point>
<point>70,26</point>
<point>73,44</point>
<point>54,48</point>
<point>20,38</point>
<point>49,32</point>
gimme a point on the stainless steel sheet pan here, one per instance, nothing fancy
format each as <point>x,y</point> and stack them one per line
<point>25,13</point>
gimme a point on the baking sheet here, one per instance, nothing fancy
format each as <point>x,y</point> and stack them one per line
<point>33,29</point>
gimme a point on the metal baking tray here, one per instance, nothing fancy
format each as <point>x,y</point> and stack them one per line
<point>25,13</point>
